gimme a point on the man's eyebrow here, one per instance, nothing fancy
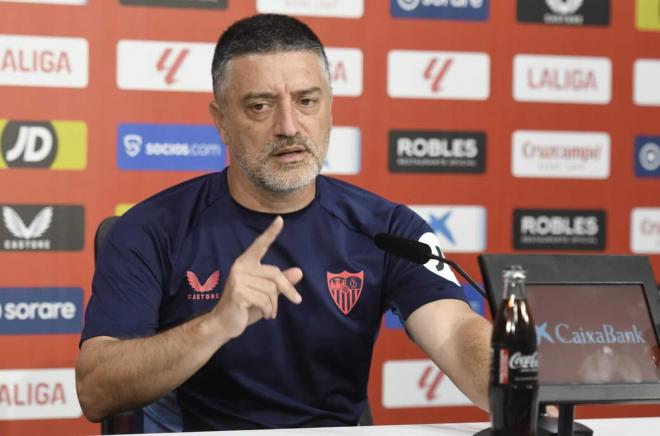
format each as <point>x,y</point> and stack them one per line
<point>270,96</point>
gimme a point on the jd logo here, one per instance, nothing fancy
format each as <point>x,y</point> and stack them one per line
<point>29,144</point>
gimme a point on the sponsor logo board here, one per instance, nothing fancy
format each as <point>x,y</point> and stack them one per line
<point>49,2</point>
<point>44,61</point>
<point>570,12</point>
<point>345,71</point>
<point>552,154</point>
<point>198,4</point>
<point>645,230</point>
<point>648,15</point>
<point>170,147</point>
<point>313,8</point>
<point>418,383</point>
<point>58,145</point>
<point>438,75</point>
<point>40,310</point>
<point>562,79</point>
<point>164,65</point>
<point>459,229</point>
<point>41,227</point>
<point>646,88</point>
<point>38,394</point>
<point>559,229</point>
<point>470,10</point>
<point>647,156</point>
<point>344,152</point>
<point>437,152</point>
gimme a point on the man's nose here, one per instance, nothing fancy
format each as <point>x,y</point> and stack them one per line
<point>286,123</point>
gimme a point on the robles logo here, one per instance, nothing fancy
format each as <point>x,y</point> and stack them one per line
<point>559,229</point>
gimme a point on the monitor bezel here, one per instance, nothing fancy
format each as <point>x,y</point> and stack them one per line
<point>554,269</point>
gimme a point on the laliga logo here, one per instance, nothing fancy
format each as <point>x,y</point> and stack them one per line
<point>172,68</point>
<point>564,7</point>
<point>132,145</point>
<point>430,381</point>
<point>436,75</point>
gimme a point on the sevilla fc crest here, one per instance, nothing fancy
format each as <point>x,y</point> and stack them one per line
<point>345,289</point>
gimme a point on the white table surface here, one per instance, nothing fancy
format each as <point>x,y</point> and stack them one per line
<point>601,427</point>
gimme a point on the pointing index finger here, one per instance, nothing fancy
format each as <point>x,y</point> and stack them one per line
<point>257,250</point>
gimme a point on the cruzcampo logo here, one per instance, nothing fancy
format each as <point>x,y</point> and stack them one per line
<point>57,145</point>
<point>648,15</point>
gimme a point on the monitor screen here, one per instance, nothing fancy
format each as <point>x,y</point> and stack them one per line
<point>597,318</point>
<point>594,334</point>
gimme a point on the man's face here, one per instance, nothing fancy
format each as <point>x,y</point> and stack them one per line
<point>276,116</point>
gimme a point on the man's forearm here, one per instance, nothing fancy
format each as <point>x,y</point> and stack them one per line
<point>114,375</point>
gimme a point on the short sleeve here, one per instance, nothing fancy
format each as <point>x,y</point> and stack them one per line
<point>127,284</point>
<point>409,286</point>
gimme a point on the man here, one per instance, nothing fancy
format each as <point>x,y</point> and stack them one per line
<point>186,291</point>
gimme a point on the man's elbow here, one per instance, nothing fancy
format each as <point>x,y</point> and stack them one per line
<point>90,406</point>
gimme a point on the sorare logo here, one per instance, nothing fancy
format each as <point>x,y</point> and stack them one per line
<point>559,229</point>
<point>27,227</point>
<point>437,152</point>
<point>29,311</point>
<point>58,145</point>
<point>568,12</point>
<point>197,4</point>
<point>647,156</point>
<point>170,147</point>
<point>469,10</point>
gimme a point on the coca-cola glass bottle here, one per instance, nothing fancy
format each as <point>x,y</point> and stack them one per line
<point>514,362</point>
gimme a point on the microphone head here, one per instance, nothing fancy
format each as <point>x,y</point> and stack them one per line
<point>414,251</point>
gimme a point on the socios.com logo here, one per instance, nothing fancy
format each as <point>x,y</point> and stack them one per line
<point>59,145</point>
<point>170,147</point>
<point>40,310</point>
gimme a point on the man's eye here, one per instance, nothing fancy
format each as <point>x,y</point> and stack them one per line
<point>258,107</point>
<point>307,101</point>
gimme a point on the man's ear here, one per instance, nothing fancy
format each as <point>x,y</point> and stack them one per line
<point>218,119</point>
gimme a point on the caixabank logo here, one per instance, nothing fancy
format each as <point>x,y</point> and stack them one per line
<point>34,311</point>
<point>41,227</point>
<point>647,156</point>
<point>437,152</point>
<point>58,145</point>
<point>170,147</point>
<point>469,10</point>
<point>198,4</point>
<point>559,229</point>
<point>570,12</point>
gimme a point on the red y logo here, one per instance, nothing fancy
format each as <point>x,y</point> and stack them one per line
<point>434,76</point>
<point>430,380</point>
<point>171,68</point>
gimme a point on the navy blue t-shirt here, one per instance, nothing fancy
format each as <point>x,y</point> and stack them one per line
<point>167,260</point>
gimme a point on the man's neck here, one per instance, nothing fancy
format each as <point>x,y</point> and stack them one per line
<point>255,198</point>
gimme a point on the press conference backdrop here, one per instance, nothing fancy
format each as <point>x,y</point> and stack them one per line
<point>510,126</point>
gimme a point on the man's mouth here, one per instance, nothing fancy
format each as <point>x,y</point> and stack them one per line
<point>290,154</point>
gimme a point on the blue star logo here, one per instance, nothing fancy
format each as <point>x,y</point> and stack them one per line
<point>439,225</point>
<point>542,333</point>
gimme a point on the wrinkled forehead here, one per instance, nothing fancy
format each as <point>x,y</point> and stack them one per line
<point>293,69</point>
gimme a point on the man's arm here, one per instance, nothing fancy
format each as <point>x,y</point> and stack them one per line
<point>458,341</point>
<point>114,375</point>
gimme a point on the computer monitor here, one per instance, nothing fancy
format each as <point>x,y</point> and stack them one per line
<point>597,321</point>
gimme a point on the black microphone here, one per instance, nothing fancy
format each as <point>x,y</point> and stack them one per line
<point>418,252</point>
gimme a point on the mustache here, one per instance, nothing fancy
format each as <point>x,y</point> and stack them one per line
<point>287,141</point>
